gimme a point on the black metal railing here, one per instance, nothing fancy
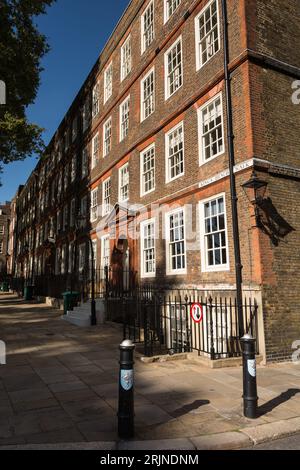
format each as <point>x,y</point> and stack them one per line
<point>163,324</point>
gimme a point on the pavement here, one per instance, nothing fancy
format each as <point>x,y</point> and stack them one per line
<point>59,390</point>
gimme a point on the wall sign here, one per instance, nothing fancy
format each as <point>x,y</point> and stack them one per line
<point>197,312</point>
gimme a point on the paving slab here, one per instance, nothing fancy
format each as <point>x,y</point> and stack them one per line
<point>223,441</point>
<point>60,385</point>
<point>271,431</point>
<point>163,444</point>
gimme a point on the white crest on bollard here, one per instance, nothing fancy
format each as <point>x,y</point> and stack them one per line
<point>296,354</point>
<point>2,353</point>
<point>2,92</point>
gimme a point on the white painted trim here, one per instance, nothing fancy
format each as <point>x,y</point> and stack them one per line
<point>223,174</point>
<point>142,153</point>
<point>142,225</point>
<point>93,165</point>
<point>103,137</point>
<point>94,191</point>
<point>200,125</point>
<point>122,77</point>
<point>152,70</point>
<point>143,48</point>
<point>107,236</point>
<point>203,252</point>
<point>166,17</point>
<point>106,98</point>
<point>103,194</point>
<point>167,95</point>
<point>168,179</point>
<point>119,183</point>
<point>127,99</point>
<point>169,271</point>
<point>199,64</point>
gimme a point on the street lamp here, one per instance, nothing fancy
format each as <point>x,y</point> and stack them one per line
<point>255,190</point>
<point>82,218</point>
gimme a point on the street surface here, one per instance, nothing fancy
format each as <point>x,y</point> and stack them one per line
<point>60,385</point>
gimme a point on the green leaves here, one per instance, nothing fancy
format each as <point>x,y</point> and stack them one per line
<point>19,138</point>
<point>22,47</point>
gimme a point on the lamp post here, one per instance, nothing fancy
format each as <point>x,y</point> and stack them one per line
<point>255,189</point>
<point>81,218</point>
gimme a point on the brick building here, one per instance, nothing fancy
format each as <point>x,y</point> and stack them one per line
<point>4,230</point>
<point>142,156</point>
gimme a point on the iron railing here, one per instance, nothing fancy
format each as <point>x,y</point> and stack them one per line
<point>163,324</point>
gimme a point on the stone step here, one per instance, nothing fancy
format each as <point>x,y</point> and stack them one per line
<point>81,315</point>
<point>79,318</point>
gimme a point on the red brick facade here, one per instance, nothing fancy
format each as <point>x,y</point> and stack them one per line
<point>263,66</point>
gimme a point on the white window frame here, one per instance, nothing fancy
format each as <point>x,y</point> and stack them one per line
<point>106,150</point>
<point>86,114</point>
<point>145,44</point>
<point>63,266</point>
<point>199,62</point>
<point>81,257</point>
<point>1,247</point>
<point>126,60</point>
<point>142,173</point>
<point>143,100</point>
<point>167,16</point>
<point>168,93</point>
<point>95,150</point>
<point>167,155</point>
<point>94,257</point>
<point>169,270</point>
<point>2,229</point>
<point>84,163</point>
<point>96,100</point>
<point>104,239</point>
<point>121,170</point>
<point>73,168</point>
<point>108,84</point>
<point>105,206</point>
<point>202,160</point>
<point>124,123</point>
<point>143,224</point>
<point>71,256</point>
<point>204,260</point>
<point>94,205</point>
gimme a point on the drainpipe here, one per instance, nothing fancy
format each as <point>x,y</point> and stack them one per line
<point>234,199</point>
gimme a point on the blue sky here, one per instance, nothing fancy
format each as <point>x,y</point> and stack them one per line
<point>76,30</point>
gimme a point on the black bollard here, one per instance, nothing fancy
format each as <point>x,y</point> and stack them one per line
<point>126,391</point>
<point>249,377</point>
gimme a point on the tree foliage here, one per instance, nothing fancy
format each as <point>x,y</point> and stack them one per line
<point>22,47</point>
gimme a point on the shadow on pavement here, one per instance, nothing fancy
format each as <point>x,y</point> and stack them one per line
<point>282,398</point>
<point>188,408</point>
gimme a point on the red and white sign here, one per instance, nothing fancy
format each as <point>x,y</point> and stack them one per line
<point>197,312</point>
